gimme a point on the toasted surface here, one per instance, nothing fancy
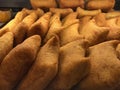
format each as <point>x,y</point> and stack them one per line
<point>6,44</point>
<point>43,3</point>
<point>16,64</point>
<point>71,3</point>
<point>41,26</point>
<point>105,68</point>
<point>104,5</point>
<point>94,33</point>
<point>45,67</point>
<point>63,12</point>
<point>72,64</point>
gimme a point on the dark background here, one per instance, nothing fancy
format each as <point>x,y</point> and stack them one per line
<point>15,3</point>
<point>117,5</point>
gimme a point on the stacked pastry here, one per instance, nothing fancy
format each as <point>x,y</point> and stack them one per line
<point>104,5</point>
<point>61,49</point>
<point>5,16</point>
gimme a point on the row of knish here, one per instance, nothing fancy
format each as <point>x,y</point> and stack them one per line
<point>104,5</point>
<point>56,57</point>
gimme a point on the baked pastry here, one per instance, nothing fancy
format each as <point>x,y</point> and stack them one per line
<point>38,11</point>
<point>84,20</point>
<point>114,31</point>
<point>54,26</point>
<point>30,19</point>
<point>104,5</point>
<point>45,67</point>
<point>69,34</point>
<point>32,65</point>
<point>3,31</point>
<point>13,23</point>
<point>17,63</point>
<point>20,33</point>
<point>20,15</point>
<point>118,21</point>
<point>6,44</point>
<point>43,3</point>
<point>41,26</point>
<point>71,3</point>
<point>100,20</point>
<point>94,33</point>
<point>112,14</point>
<point>82,12</point>
<point>63,12</point>
<point>105,68</point>
<point>73,66</point>
<point>5,16</point>
<point>19,26</point>
<point>118,51</point>
<point>70,19</point>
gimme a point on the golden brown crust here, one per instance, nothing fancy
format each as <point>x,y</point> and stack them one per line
<point>71,66</point>
<point>63,12</point>
<point>13,23</point>
<point>16,64</point>
<point>20,33</point>
<point>70,19</point>
<point>69,34</point>
<point>76,31</point>
<point>71,3</point>
<point>112,14</point>
<point>84,20</point>
<point>101,20</point>
<point>114,31</point>
<point>38,11</point>
<point>30,19</point>
<point>104,5</point>
<point>44,69</point>
<point>105,68</point>
<point>82,12</point>
<point>41,26</point>
<point>54,27</point>
<point>5,16</point>
<point>94,33</point>
<point>43,3</point>
<point>6,44</point>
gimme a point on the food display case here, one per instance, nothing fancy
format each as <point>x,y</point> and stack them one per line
<point>60,46</point>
